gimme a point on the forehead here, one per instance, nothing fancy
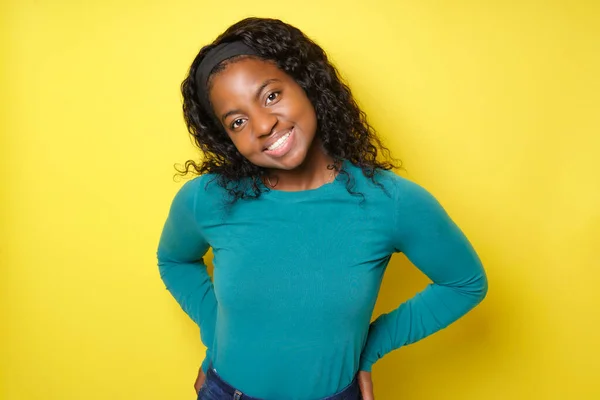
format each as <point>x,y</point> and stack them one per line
<point>242,78</point>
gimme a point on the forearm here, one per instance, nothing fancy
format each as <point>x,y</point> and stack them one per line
<point>207,360</point>
<point>430,239</point>
<point>429,311</point>
<point>192,288</point>
<point>180,253</point>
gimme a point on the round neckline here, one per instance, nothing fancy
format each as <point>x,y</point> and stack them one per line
<point>302,194</point>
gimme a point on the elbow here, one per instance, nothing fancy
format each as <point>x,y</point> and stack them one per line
<point>474,290</point>
<point>480,289</point>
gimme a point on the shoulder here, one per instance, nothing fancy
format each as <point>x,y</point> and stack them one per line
<point>394,186</point>
<point>202,185</point>
<point>200,193</point>
<point>407,194</point>
<point>397,186</point>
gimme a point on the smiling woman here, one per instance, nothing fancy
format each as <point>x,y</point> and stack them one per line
<point>330,127</point>
<point>268,117</point>
<point>313,217</point>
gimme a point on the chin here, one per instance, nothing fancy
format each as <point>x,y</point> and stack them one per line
<point>288,163</point>
<point>291,162</point>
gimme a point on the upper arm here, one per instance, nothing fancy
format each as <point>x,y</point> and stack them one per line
<point>430,239</point>
<point>181,239</point>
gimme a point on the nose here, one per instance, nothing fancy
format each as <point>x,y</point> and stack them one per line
<point>263,122</point>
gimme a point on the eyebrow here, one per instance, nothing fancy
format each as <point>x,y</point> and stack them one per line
<point>256,96</point>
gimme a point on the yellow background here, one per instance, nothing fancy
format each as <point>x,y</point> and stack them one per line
<point>492,105</point>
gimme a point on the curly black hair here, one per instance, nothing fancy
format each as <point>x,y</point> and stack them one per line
<point>341,125</point>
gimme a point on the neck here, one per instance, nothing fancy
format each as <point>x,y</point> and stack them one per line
<point>311,174</point>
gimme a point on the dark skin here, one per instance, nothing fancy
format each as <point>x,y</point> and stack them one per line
<point>272,123</point>
<point>257,103</point>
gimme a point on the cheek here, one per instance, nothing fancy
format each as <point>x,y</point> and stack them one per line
<point>239,145</point>
<point>243,145</point>
<point>310,118</point>
<point>304,113</point>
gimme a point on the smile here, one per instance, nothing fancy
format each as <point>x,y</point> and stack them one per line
<point>282,145</point>
<point>280,142</point>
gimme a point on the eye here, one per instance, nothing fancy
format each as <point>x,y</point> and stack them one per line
<point>272,97</point>
<point>237,123</point>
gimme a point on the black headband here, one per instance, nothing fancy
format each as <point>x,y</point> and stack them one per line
<point>214,57</point>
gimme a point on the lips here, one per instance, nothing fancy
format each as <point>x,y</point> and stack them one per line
<point>281,144</point>
<point>275,137</point>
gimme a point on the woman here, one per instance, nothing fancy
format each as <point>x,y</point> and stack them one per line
<point>303,217</point>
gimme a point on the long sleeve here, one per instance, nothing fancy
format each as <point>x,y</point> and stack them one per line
<point>428,237</point>
<point>180,260</point>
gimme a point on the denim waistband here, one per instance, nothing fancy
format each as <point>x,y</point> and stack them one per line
<point>350,392</point>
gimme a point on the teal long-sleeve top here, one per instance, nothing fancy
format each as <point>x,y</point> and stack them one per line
<point>287,315</point>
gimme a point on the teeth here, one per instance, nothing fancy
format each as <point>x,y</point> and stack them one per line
<point>279,142</point>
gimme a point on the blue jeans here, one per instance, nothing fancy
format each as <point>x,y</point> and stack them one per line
<point>215,388</point>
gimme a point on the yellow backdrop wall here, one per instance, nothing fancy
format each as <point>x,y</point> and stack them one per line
<point>492,105</point>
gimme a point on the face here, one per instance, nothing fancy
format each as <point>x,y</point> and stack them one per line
<point>265,113</point>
